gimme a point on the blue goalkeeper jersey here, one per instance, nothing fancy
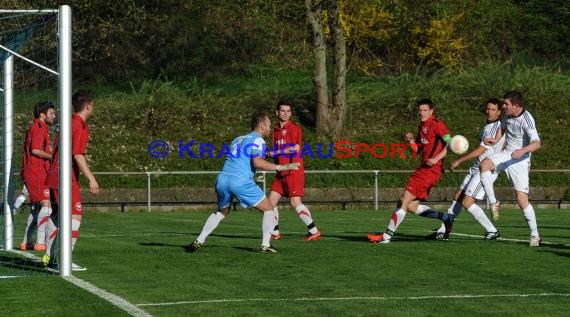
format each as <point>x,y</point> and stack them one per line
<point>239,160</point>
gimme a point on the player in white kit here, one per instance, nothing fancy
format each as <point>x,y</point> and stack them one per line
<point>521,139</point>
<point>471,188</point>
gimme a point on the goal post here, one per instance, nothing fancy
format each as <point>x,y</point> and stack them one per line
<point>64,82</point>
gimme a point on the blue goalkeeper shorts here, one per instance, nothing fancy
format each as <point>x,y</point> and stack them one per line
<point>246,191</point>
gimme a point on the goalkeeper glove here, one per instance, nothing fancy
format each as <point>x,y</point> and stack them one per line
<point>287,167</point>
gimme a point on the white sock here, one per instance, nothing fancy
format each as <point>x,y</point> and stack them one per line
<point>480,216</point>
<point>43,217</point>
<point>423,208</point>
<point>51,233</point>
<point>397,218</point>
<point>30,227</point>
<point>267,224</point>
<point>276,227</point>
<point>211,224</point>
<point>74,231</point>
<point>305,215</point>
<point>427,211</point>
<point>19,201</point>
<point>441,229</point>
<point>530,217</point>
<point>487,179</point>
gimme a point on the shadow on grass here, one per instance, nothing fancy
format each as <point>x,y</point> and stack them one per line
<point>559,246</point>
<point>563,254</point>
<point>247,249</point>
<point>362,237</point>
<point>19,263</point>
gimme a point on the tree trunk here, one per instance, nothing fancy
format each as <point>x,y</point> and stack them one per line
<point>337,111</point>
<point>315,18</point>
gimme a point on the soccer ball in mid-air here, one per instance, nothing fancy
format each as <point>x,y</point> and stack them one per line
<point>458,144</point>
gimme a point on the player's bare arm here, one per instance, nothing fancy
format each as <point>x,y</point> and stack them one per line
<point>533,146</point>
<point>468,157</point>
<point>41,154</point>
<point>261,164</point>
<point>492,141</point>
<point>411,140</point>
<point>292,149</point>
<point>432,161</point>
<point>85,170</point>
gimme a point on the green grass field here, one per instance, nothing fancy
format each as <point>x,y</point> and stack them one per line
<point>139,257</point>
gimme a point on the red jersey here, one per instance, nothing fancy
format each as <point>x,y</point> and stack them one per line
<point>287,136</point>
<point>37,138</point>
<point>430,137</point>
<point>79,138</point>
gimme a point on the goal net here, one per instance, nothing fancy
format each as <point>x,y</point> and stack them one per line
<point>35,52</point>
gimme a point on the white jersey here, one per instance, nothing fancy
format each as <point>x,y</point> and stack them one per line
<point>489,131</point>
<point>520,131</point>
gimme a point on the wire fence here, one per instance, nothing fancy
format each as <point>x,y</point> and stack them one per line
<point>344,188</point>
<point>362,186</point>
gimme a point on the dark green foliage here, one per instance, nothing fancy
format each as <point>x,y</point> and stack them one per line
<point>122,41</point>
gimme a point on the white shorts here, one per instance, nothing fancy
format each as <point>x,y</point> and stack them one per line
<point>517,170</point>
<point>472,185</point>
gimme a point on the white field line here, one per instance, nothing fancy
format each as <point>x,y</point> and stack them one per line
<point>510,240</point>
<point>109,297</point>
<point>288,233</point>
<point>370,298</point>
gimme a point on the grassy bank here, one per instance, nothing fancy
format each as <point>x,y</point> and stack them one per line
<point>380,110</point>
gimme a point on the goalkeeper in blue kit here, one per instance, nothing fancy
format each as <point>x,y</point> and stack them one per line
<point>246,155</point>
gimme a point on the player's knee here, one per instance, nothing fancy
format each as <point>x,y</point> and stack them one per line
<point>486,165</point>
<point>466,203</point>
<point>296,202</point>
<point>522,199</point>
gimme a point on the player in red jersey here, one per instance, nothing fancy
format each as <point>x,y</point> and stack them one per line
<point>83,109</point>
<point>35,164</point>
<point>287,143</point>
<point>432,141</point>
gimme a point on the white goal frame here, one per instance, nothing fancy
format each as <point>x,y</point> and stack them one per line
<point>65,93</point>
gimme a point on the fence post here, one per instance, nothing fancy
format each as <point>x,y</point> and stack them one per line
<point>264,179</point>
<point>148,194</point>
<point>375,190</point>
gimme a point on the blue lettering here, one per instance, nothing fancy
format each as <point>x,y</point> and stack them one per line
<point>263,150</point>
<point>291,154</point>
<point>225,150</point>
<point>250,153</point>
<point>273,150</point>
<point>207,148</point>
<point>321,155</point>
<point>307,150</point>
<point>185,148</point>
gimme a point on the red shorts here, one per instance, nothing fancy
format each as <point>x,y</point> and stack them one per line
<point>292,185</point>
<point>422,181</point>
<point>75,199</point>
<point>37,189</point>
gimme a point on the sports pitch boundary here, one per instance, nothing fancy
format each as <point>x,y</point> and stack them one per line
<point>135,310</point>
<point>118,301</point>
<point>370,298</point>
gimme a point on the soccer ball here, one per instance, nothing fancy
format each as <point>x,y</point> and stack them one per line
<point>458,144</point>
